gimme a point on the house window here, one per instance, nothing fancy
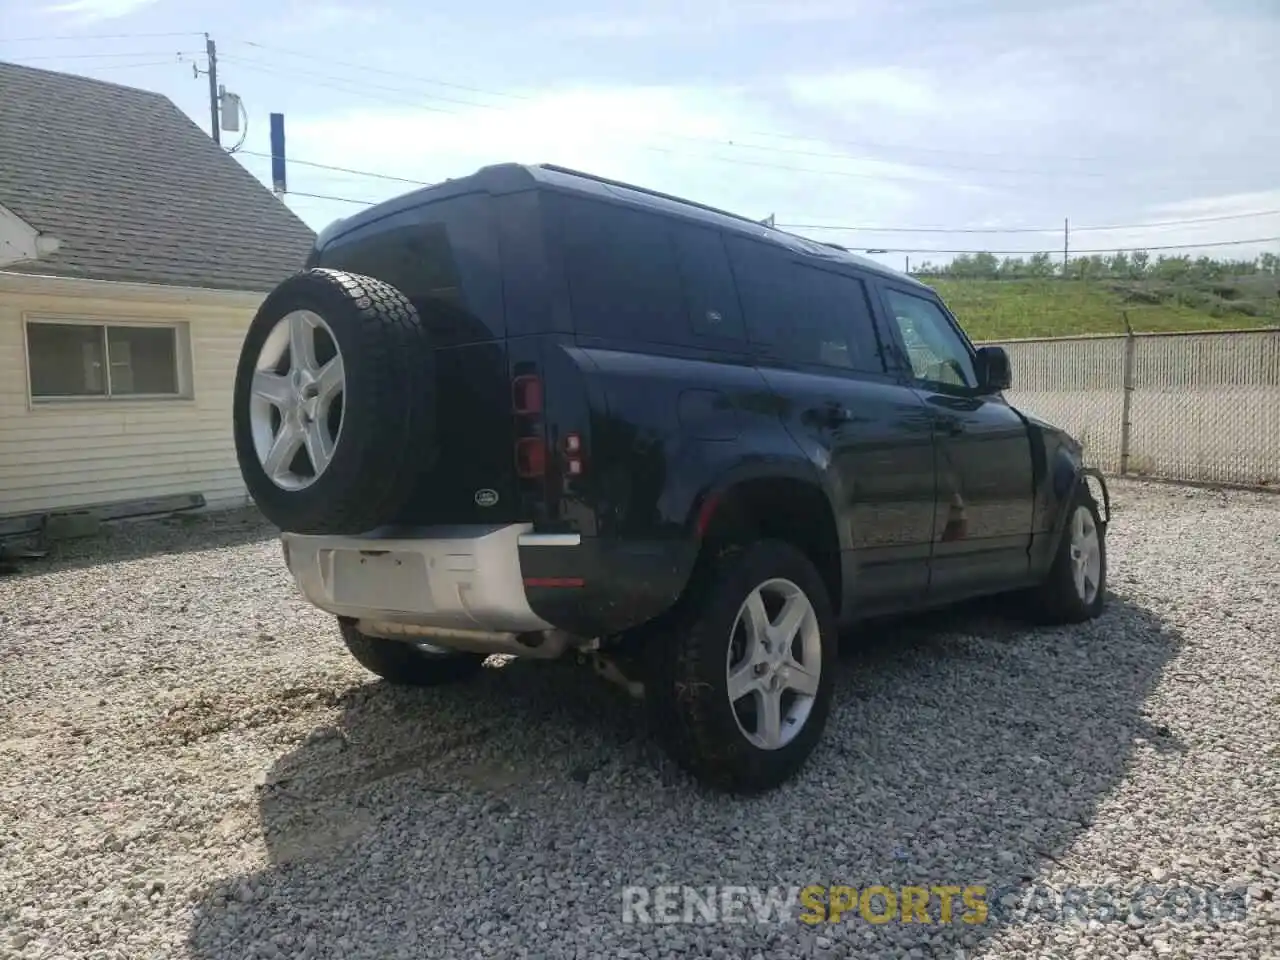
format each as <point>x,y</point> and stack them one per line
<point>76,359</point>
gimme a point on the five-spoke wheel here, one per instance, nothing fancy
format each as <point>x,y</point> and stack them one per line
<point>774,663</point>
<point>295,409</point>
<point>740,678</point>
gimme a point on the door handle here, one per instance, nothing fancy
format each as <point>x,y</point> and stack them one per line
<point>952,428</point>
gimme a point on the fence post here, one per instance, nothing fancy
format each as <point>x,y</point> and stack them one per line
<point>1126,407</point>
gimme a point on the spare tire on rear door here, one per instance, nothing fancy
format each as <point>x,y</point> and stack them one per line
<point>334,406</point>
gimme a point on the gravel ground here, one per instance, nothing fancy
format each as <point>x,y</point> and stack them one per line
<point>193,767</point>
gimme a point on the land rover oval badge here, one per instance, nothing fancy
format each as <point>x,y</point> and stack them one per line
<point>486,497</point>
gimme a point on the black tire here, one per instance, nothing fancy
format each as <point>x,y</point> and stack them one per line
<point>686,659</point>
<point>404,665</point>
<point>388,405</point>
<point>1057,600</point>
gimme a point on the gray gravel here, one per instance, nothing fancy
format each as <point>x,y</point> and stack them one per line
<point>193,767</point>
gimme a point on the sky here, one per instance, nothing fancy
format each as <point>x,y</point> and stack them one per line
<point>961,124</point>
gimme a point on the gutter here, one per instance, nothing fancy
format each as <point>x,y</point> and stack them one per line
<point>50,285</point>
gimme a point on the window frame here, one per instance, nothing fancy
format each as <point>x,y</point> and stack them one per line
<point>902,356</point>
<point>877,339</point>
<point>478,265</point>
<point>690,286</point>
<point>687,338</point>
<point>184,361</point>
<point>772,353</point>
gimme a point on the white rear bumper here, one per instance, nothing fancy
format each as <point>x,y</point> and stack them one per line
<point>452,578</point>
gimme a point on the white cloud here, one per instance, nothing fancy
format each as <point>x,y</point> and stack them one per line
<point>1223,205</point>
<point>93,11</point>
<point>1163,230</point>
<point>652,136</point>
<point>705,16</point>
<point>904,91</point>
<point>305,17</point>
<point>995,119</point>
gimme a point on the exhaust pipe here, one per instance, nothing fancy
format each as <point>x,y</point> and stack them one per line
<point>545,645</point>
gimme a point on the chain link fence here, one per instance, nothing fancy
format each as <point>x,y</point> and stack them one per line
<point>1176,406</point>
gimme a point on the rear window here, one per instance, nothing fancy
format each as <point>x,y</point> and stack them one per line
<point>443,256</point>
<point>643,277</point>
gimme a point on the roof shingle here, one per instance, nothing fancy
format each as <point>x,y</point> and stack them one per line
<point>134,189</point>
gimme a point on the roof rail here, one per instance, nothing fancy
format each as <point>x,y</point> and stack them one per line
<point>556,168</point>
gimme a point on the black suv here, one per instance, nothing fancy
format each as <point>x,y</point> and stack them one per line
<point>533,411</point>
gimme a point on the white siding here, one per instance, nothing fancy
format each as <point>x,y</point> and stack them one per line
<point>56,455</point>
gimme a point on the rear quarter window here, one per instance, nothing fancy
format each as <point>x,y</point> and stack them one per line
<point>805,314</point>
<point>443,256</point>
<point>645,277</point>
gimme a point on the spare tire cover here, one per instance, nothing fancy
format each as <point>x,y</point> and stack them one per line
<point>334,407</point>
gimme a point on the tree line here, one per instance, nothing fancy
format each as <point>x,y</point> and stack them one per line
<point>1135,265</point>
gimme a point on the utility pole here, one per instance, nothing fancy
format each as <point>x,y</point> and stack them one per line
<point>211,51</point>
<point>1066,246</point>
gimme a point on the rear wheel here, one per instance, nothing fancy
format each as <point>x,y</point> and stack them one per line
<point>405,664</point>
<point>741,682</point>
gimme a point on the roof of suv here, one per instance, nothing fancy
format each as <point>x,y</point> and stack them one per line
<point>513,178</point>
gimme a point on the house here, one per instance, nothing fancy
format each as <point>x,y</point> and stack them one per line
<point>133,254</point>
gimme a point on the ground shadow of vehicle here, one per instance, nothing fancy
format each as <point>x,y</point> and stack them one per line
<point>122,542</point>
<point>964,749</point>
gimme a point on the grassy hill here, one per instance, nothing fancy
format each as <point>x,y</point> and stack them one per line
<point>1007,309</point>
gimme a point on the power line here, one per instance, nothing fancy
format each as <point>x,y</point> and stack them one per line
<point>732,142</point>
<point>413,99</point>
<point>363,68</point>
<point>323,196</point>
<point>125,66</point>
<point>1100,250</point>
<point>143,63</point>
<point>90,56</point>
<point>864,159</point>
<point>329,166</point>
<point>915,148</point>
<point>327,80</point>
<point>1003,230</point>
<point>811,226</point>
<point>354,85</point>
<point>1001,253</point>
<point>101,36</point>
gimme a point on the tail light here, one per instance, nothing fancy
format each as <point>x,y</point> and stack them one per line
<point>526,395</point>
<point>526,405</point>
<point>573,454</point>
<point>531,458</point>
<point>531,446</point>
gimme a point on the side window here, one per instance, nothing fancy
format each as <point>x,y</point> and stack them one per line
<point>623,277</point>
<point>936,351</point>
<point>834,326</point>
<point>710,296</point>
<point>763,275</point>
<point>804,314</point>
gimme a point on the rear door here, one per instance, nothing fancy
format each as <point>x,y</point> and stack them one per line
<point>444,256</point>
<point>816,342</point>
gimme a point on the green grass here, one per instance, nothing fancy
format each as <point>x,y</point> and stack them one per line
<point>1008,309</point>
